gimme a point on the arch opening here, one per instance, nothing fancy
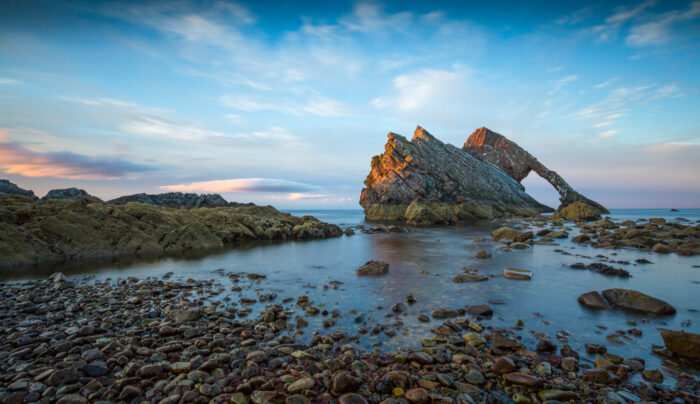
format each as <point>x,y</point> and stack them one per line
<point>538,188</point>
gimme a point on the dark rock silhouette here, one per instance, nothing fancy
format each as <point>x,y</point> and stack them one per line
<point>8,188</point>
<point>66,193</point>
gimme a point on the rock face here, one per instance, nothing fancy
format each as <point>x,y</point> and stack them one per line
<point>425,181</point>
<point>66,193</point>
<point>175,199</point>
<point>58,231</point>
<point>496,149</point>
<point>8,188</point>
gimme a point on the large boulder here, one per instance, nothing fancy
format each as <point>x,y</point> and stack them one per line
<point>505,154</point>
<point>681,343</point>
<point>637,301</point>
<point>8,188</point>
<point>425,181</point>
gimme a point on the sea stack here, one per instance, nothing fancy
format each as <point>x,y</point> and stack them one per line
<point>494,148</point>
<point>425,181</point>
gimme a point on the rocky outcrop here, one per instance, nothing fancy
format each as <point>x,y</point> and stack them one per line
<point>58,231</point>
<point>8,188</point>
<point>425,181</point>
<point>505,154</point>
<point>175,199</point>
<point>66,193</point>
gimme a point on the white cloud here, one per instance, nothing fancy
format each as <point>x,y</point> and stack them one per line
<point>602,124</point>
<point>609,133</point>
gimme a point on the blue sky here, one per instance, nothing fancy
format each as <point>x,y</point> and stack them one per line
<point>285,104</point>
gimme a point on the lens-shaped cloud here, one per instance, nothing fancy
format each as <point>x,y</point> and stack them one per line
<point>245,185</point>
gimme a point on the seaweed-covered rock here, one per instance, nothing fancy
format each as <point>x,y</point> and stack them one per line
<point>57,231</point>
<point>425,181</point>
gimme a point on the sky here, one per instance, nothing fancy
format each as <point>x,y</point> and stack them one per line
<point>286,103</point>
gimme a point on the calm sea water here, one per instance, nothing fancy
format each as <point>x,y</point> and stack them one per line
<point>423,262</point>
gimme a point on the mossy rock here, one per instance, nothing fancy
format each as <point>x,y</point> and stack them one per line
<point>578,212</point>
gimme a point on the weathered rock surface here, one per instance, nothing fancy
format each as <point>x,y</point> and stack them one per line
<point>373,268</point>
<point>58,231</point>
<point>8,188</point>
<point>637,301</point>
<point>66,193</point>
<point>505,154</point>
<point>425,181</point>
<point>175,199</point>
<point>681,343</point>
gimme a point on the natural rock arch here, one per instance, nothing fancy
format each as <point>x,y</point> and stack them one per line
<point>494,148</point>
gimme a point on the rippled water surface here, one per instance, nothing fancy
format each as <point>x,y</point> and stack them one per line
<point>423,262</point>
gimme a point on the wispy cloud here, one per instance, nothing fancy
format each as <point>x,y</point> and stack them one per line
<point>609,133</point>
<point>660,29</point>
<point>245,185</point>
<point>8,81</point>
<point>559,84</point>
<point>320,106</point>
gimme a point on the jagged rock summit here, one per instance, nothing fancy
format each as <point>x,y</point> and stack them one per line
<point>8,188</point>
<point>425,181</point>
<point>494,148</point>
<point>66,193</point>
<point>174,199</point>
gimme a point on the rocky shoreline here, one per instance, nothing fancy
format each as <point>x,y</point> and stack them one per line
<point>165,341</point>
<point>84,228</point>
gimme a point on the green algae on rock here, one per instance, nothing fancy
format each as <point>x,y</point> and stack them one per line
<point>56,231</point>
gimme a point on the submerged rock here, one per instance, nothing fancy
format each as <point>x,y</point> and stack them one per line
<point>425,181</point>
<point>373,268</point>
<point>637,301</point>
<point>505,154</point>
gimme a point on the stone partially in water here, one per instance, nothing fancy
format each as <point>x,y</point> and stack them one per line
<point>681,343</point>
<point>373,268</point>
<point>517,273</point>
<point>637,301</point>
<point>592,300</point>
